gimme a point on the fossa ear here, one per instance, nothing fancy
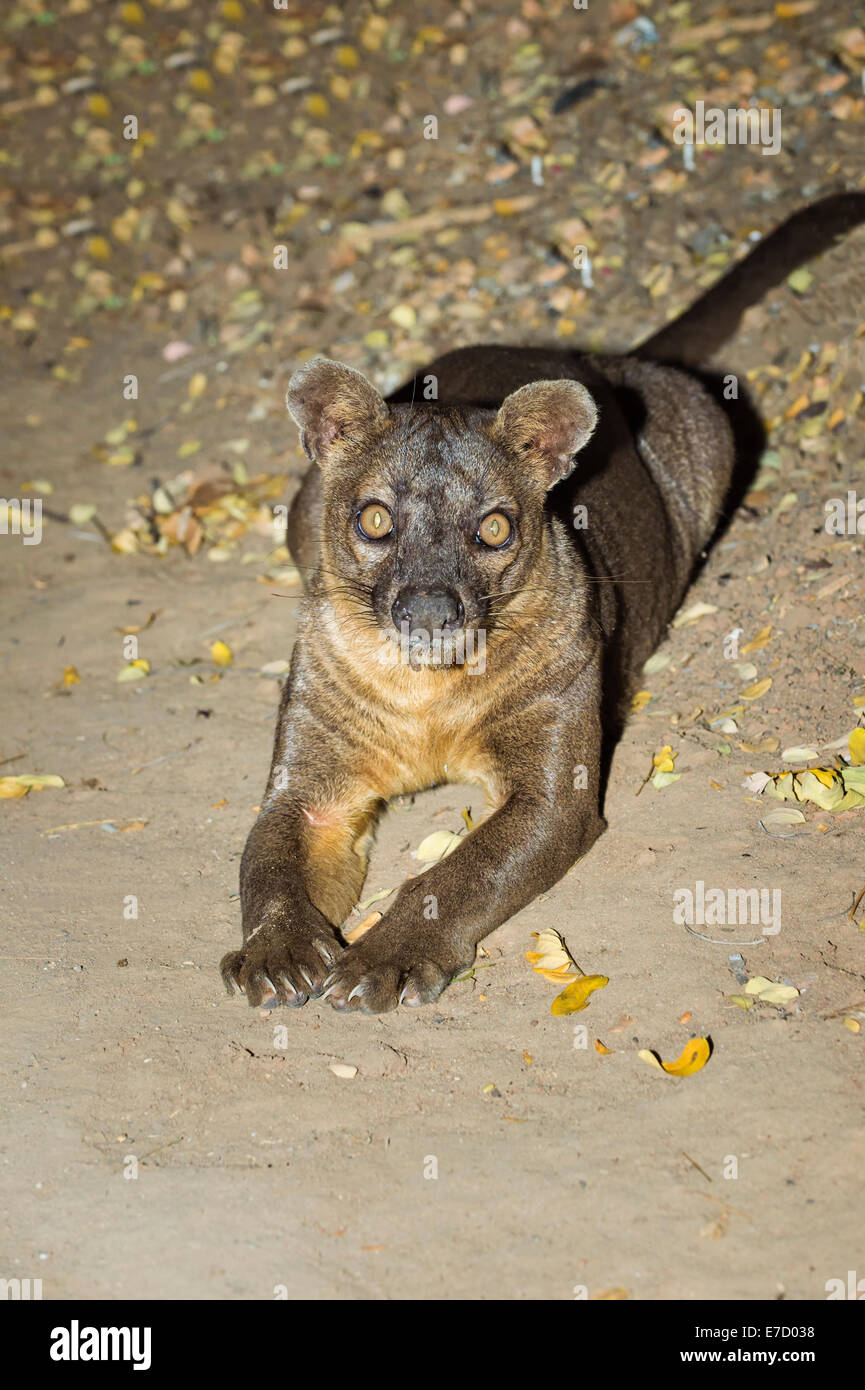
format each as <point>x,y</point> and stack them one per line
<point>545,424</point>
<point>334,407</point>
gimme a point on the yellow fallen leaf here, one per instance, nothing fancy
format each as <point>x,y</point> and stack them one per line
<point>769,992</point>
<point>665,779</point>
<point>693,614</point>
<point>10,788</point>
<point>71,676</point>
<point>695,1055</point>
<point>125,542</point>
<point>575,996</point>
<point>200,80</point>
<point>134,670</point>
<point>640,700</point>
<point>856,743</point>
<point>826,790</point>
<point>437,846</point>
<point>99,248</point>
<point>786,815</point>
<point>221,654</point>
<point>403,315</point>
<point>604,1051</point>
<point>853,1024</point>
<point>135,628</point>
<point>779,994</point>
<point>766,745</point>
<point>665,760</point>
<point>754,692</point>
<point>825,775</point>
<point>759,641</point>
<point>552,959</point>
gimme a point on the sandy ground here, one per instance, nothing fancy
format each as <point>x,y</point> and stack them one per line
<point>162,1140</point>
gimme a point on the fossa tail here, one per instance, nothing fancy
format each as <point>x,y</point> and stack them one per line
<point>691,339</point>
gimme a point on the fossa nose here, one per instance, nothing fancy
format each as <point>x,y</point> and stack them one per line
<point>428,610</point>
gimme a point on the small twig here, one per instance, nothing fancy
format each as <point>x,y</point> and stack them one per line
<point>648,777</point>
<point>159,1147</point>
<point>696,1165</point>
<point>856,903</point>
<point>175,754</point>
<point>726,1205</point>
<point>220,627</point>
<point>714,940</point>
<point>848,1008</point>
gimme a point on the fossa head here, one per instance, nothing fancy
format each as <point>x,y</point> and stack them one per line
<point>433,516</point>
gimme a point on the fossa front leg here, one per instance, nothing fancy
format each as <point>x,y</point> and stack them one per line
<point>549,818</point>
<point>302,871</point>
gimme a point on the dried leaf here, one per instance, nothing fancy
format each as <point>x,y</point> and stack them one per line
<point>695,1055</point>
<point>221,654</point>
<point>552,959</point>
<point>769,992</point>
<point>856,743</point>
<point>694,613</point>
<point>754,692</point>
<point>575,996</point>
<point>134,670</point>
<point>13,787</point>
<point>437,846</point>
<point>783,816</point>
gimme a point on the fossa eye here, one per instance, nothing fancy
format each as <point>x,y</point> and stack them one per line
<point>494,531</point>
<point>375,522</point>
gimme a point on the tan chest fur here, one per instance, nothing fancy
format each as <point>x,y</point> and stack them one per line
<point>414,728</point>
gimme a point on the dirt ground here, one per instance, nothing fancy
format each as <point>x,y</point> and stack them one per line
<point>161,1140</point>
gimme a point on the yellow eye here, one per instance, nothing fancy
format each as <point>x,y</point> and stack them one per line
<point>494,530</point>
<point>375,522</point>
